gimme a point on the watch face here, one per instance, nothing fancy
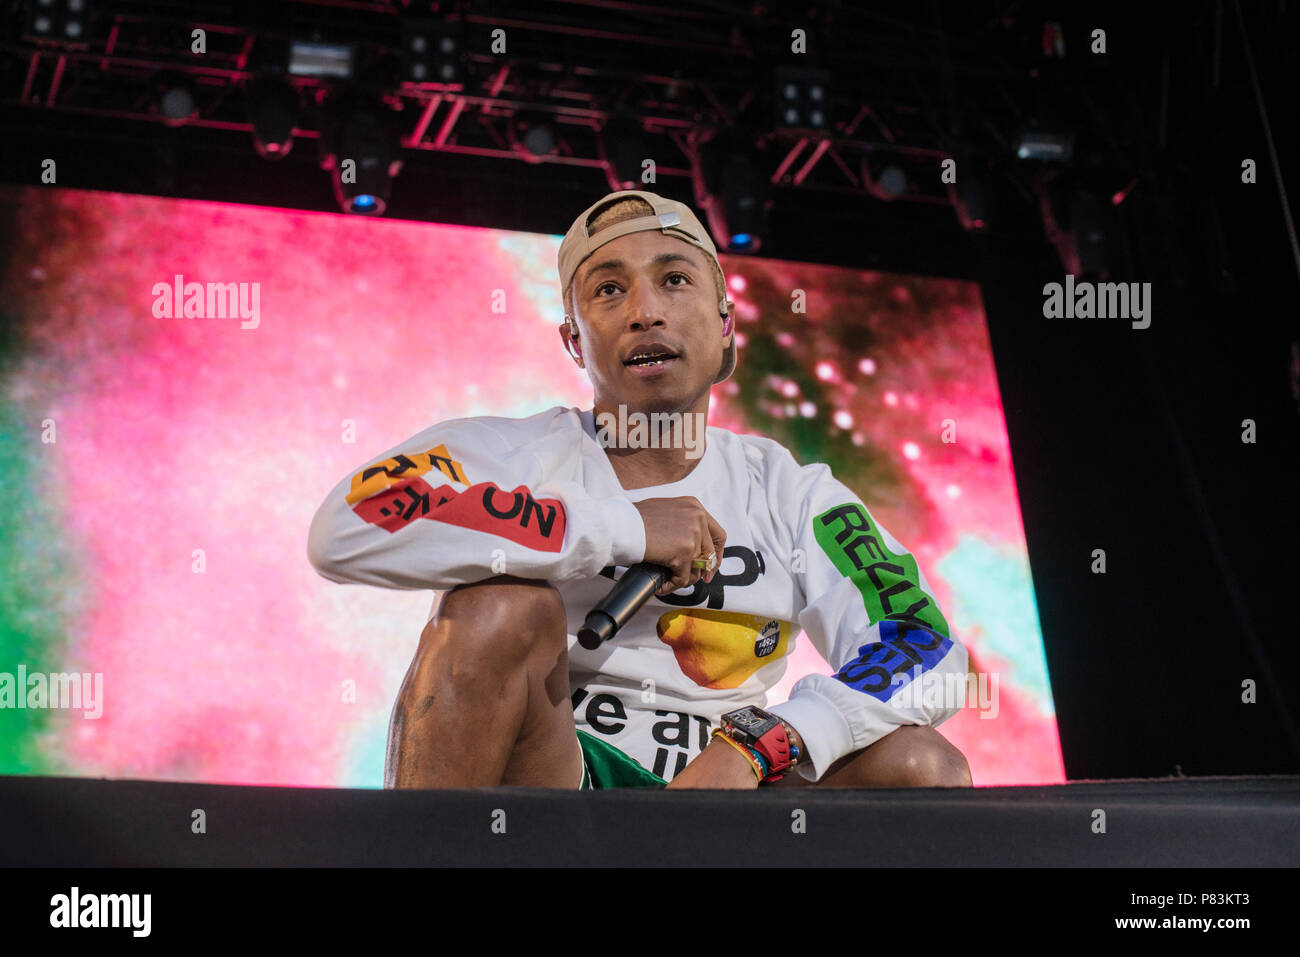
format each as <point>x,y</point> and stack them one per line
<point>752,722</point>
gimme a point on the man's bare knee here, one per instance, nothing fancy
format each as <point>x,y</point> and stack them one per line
<point>934,762</point>
<point>506,618</point>
<point>913,756</point>
<point>481,633</point>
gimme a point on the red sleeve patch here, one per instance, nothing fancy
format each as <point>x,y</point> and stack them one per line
<point>515,515</point>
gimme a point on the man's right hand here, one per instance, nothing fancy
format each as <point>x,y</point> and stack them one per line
<point>678,531</point>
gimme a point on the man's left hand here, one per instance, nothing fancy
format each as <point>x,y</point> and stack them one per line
<point>718,766</point>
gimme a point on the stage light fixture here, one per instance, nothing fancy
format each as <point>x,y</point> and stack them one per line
<point>323,60</point>
<point>733,192</point>
<point>360,147</point>
<point>888,184</point>
<point>802,98</point>
<point>431,52</point>
<point>1048,146</point>
<point>624,149</point>
<point>1081,224</point>
<point>65,21</point>
<point>532,136</point>
<point>972,195</point>
<point>892,181</point>
<point>175,98</point>
<point>273,112</point>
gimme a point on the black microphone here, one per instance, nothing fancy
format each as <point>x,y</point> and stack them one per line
<point>613,611</point>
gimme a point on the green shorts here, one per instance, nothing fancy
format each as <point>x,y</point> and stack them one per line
<point>605,766</point>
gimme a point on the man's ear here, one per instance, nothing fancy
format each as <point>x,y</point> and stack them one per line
<point>569,336</point>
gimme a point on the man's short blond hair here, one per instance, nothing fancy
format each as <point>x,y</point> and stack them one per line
<point>632,207</point>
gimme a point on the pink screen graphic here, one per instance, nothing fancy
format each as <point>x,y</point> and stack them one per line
<point>170,468</point>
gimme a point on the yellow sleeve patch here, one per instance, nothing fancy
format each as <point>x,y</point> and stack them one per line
<point>382,475</point>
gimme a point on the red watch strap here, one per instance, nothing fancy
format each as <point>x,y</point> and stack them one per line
<point>775,749</point>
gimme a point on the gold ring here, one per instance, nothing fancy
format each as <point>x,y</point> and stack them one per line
<point>706,564</point>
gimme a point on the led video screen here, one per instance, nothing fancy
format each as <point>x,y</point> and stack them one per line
<point>159,618</point>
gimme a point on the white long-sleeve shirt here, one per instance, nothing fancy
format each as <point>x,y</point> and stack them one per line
<point>536,497</point>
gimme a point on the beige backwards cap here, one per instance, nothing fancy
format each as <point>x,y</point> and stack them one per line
<point>670,217</point>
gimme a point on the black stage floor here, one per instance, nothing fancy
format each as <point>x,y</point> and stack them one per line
<point>1185,822</point>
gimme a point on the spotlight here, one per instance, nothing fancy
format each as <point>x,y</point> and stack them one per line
<point>431,52</point>
<point>532,136</point>
<point>359,144</point>
<point>802,99</point>
<point>623,148</point>
<point>972,195</point>
<point>743,198</point>
<point>65,21</point>
<point>317,59</point>
<point>177,104</point>
<point>893,181</point>
<point>1082,225</point>
<point>1050,146</point>
<point>273,112</point>
<point>733,192</point>
<point>889,184</point>
<point>971,203</point>
<point>176,99</point>
<point>539,139</point>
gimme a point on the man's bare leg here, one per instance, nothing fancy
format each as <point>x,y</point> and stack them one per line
<point>486,699</point>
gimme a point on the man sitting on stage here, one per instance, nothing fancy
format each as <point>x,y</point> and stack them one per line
<point>523,524</point>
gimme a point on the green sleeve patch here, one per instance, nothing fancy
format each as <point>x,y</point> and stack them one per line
<point>889,583</point>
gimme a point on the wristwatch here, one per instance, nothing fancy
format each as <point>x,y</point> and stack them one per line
<point>763,733</point>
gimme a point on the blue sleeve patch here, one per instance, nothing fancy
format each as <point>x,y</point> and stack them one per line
<point>905,650</point>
